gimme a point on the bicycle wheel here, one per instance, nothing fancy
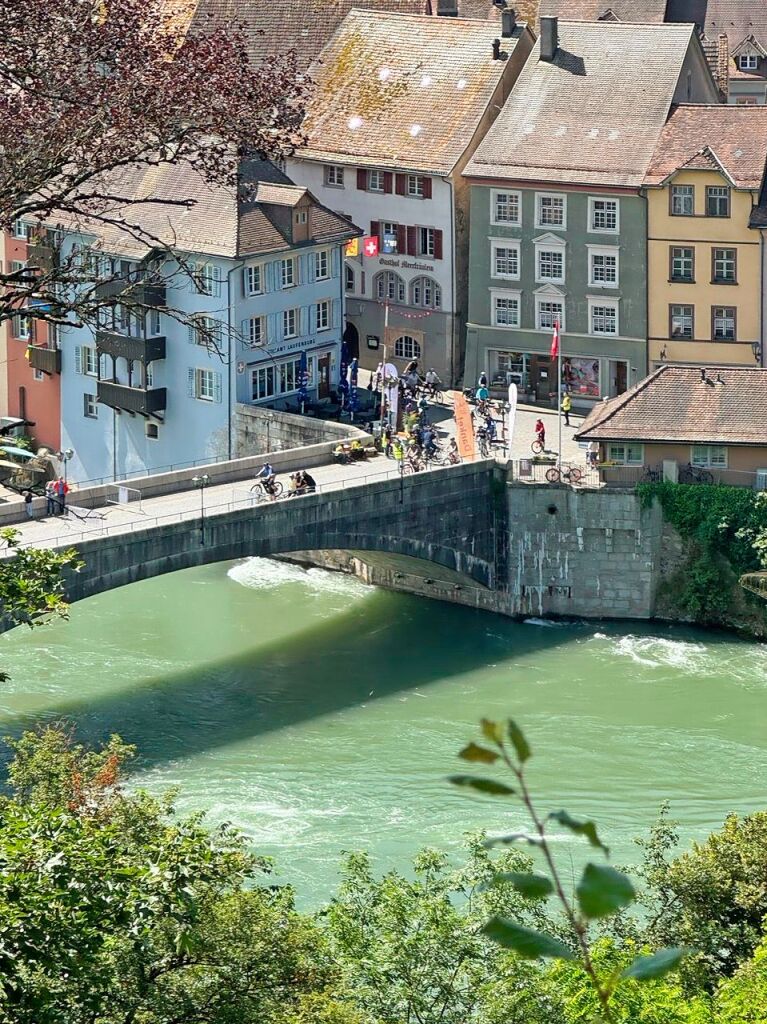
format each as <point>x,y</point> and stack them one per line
<point>536,448</point>
<point>438,397</point>
<point>553,475</point>
<point>258,493</point>
<point>278,489</point>
<point>705,477</point>
<point>576,475</point>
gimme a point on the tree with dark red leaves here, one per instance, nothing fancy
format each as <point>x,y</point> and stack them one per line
<point>92,91</point>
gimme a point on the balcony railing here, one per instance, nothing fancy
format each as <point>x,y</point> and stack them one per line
<point>150,292</point>
<point>129,347</point>
<point>48,360</point>
<point>145,402</point>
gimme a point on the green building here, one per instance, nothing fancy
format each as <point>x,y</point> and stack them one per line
<point>558,220</point>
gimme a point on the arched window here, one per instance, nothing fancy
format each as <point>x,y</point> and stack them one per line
<point>426,292</point>
<point>389,287</point>
<point>406,347</point>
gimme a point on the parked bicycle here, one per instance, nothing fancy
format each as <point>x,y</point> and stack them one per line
<point>690,474</point>
<point>260,493</point>
<point>570,474</point>
<point>652,476</point>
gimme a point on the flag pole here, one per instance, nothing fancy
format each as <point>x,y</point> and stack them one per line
<point>559,397</point>
<point>383,361</point>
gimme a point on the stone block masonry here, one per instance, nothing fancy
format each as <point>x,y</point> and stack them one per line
<point>573,552</point>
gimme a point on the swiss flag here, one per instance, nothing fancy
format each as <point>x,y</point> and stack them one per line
<point>554,353</point>
<point>370,245</point>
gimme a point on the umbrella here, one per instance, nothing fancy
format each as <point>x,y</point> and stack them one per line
<point>343,383</point>
<point>20,453</point>
<point>353,397</point>
<point>303,380</point>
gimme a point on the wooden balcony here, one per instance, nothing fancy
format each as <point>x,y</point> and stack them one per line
<point>150,292</point>
<point>145,402</point>
<point>43,255</point>
<point>47,360</point>
<point>144,350</point>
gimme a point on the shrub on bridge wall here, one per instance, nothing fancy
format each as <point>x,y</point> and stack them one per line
<point>725,533</point>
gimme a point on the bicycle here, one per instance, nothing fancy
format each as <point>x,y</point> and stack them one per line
<point>432,391</point>
<point>571,475</point>
<point>690,474</point>
<point>260,493</point>
<point>537,447</point>
<point>652,476</point>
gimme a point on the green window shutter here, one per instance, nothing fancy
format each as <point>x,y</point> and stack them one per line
<point>191,382</point>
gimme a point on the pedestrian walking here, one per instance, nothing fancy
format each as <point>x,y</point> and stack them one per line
<point>540,432</point>
<point>50,498</point>
<point>566,407</point>
<point>28,496</point>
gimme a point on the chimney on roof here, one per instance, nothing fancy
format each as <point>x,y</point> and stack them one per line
<point>508,23</point>
<point>723,64</point>
<point>703,377</point>
<point>549,38</point>
<point>496,49</point>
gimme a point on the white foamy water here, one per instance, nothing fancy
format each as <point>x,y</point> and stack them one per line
<point>657,651</point>
<point>268,574</point>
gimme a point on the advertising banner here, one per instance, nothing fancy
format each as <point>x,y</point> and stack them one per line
<point>391,391</point>
<point>512,415</point>
<point>464,427</point>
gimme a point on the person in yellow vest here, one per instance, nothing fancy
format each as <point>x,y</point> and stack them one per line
<point>566,407</point>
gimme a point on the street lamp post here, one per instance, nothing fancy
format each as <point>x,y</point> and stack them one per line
<point>64,458</point>
<point>202,482</point>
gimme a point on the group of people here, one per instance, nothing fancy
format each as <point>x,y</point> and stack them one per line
<point>301,483</point>
<point>56,492</point>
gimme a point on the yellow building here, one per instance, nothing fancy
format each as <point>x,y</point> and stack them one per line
<point>704,248</point>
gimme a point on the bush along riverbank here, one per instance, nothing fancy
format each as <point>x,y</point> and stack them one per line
<point>721,534</point>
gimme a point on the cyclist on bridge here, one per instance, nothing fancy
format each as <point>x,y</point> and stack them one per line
<point>267,474</point>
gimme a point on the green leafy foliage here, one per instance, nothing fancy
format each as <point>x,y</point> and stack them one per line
<point>32,580</point>
<point>533,886</point>
<point>579,828</point>
<point>657,965</point>
<point>487,786</point>
<point>526,942</point>
<point>603,891</point>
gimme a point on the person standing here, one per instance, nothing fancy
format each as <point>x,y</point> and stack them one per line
<point>28,496</point>
<point>566,407</point>
<point>50,498</point>
<point>61,490</point>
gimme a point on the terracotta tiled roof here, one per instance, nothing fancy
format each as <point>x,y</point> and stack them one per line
<point>275,26</point>
<point>736,18</point>
<point>215,223</point>
<point>593,114</point>
<point>402,91</point>
<point>675,405</point>
<point>642,11</point>
<point>703,136</point>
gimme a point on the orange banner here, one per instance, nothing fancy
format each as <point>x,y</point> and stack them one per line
<point>464,427</point>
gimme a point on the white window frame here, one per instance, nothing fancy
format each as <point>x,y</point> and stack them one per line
<point>322,315</point>
<point>319,256</point>
<point>21,229</point>
<point>201,376</point>
<point>267,373</point>
<point>748,62</point>
<point>413,351</point>
<point>494,194</point>
<point>415,186</point>
<point>688,194</point>
<point>207,279</point>
<point>90,406</point>
<point>256,336</point>
<point>505,294</point>
<point>605,303</point>
<point>546,225</point>
<point>22,327</point>
<point>633,453</point>
<point>350,278</point>
<point>505,243</point>
<point>38,375</point>
<point>549,296</point>
<point>705,455</point>
<point>375,181</point>
<point>287,331</point>
<point>552,245</point>
<point>603,250</point>
<point>333,175</point>
<point>429,235</point>
<point>288,273</point>
<point>424,283</point>
<point>90,361</point>
<point>593,200</point>
<point>254,279</point>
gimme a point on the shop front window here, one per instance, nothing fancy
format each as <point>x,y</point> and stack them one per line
<point>582,376</point>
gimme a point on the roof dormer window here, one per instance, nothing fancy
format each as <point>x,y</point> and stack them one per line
<point>748,62</point>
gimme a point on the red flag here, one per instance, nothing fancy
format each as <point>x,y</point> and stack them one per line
<point>554,353</point>
<point>370,245</point>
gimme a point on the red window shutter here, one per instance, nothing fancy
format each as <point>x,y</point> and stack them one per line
<point>401,182</point>
<point>412,242</point>
<point>402,238</point>
<point>427,188</point>
<point>362,178</point>
<point>375,228</point>
<point>437,245</point>
<point>387,181</point>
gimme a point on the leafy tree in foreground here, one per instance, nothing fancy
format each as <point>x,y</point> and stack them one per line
<point>91,90</point>
<point>113,911</point>
<point>31,580</point>
<point>601,892</point>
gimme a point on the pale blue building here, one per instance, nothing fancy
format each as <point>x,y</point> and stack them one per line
<point>250,285</point>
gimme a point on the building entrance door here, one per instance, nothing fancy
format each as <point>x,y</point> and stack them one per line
<point>618,377</point>
<point>323,376</point>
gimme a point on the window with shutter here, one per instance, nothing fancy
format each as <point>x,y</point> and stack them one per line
<point>362,179</point>
<point>427,188</point>
<point>217,387</point>
<point>375,227</point>
<point>412,241</point>
<point>401,184</point>
<point>438,244</point>
<point>387,181</point>
<point>190,383</point>
<point>78,359</point>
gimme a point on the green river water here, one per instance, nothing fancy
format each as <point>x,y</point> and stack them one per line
<point>320,715</point>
